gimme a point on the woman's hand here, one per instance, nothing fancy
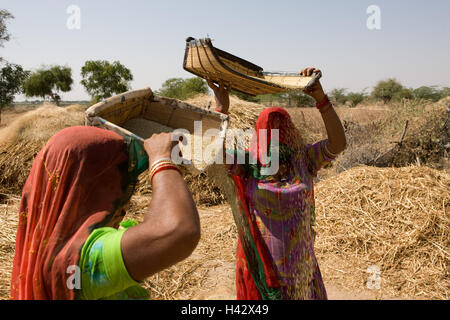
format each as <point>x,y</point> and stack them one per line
<point>159,146</point>
<point>222,95</point>
<point>316,91</point>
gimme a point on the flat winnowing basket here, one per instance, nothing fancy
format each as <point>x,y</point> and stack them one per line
<point>154,114</point>
<point>204,60</point>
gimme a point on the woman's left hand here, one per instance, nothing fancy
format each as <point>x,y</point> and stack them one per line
<point>316,91</point>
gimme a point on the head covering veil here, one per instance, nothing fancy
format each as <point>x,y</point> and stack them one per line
<point>79,181</point>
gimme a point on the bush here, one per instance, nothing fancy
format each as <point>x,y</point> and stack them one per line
<point>427,93</point>
<point>391,90</point>
<point>355,98</point>
<point>338,95</point>
<point>183,89</point>
<point>431,93</point>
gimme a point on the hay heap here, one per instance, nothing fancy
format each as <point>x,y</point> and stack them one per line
<point>393,218</point>
<point>24,138</point>
<point>9,218</point>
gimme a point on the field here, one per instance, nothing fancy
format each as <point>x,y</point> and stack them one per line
<point>384,203</point>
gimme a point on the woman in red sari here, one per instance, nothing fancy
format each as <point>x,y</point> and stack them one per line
<point>275,211</point>
<point>68,245</point>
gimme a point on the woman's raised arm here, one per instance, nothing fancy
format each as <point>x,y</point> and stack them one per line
<point>171,227</point>
<point>336,136</point>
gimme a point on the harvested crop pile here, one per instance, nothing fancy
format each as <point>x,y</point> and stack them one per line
<point>9,218</point>
<point>21,140</point>
<point>394,218</point>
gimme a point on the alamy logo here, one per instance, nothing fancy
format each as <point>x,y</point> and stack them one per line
<point>207,150</point>
<point>374,19</point>
<point>74,20</point>
<point>74,280</point>
<point>374,280</point>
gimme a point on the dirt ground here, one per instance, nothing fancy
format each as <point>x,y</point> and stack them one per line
<point>220,283</point>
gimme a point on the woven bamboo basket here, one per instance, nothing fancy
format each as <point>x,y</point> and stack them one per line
<point>115,112</point>
<point>204,60</point>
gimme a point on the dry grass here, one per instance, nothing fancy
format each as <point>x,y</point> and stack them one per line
<point>22,139</point>
<point>9,218</point>
<point>394,218</point>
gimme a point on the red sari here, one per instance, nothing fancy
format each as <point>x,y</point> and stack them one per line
<point>78,182</point>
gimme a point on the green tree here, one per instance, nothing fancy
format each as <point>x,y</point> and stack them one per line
<point>172,88</point>
<point>338,95</point>
<point>102,79</point>
<point>444,92</point>
<point>427,93</point>
<point>194,86</point>
<point>299,99</point>
<point>4,35</point>
<point>11,79</point>
<point>356,98</point>
<point>391,89</point>
<point>49,82</point>
<point>183,89</point>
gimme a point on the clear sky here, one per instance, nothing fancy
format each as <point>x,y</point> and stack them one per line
<point>149,37</point>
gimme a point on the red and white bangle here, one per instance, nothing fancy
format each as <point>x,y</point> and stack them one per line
<point>161,165</point>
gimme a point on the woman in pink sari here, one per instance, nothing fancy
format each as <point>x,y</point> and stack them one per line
<point>275,212</point>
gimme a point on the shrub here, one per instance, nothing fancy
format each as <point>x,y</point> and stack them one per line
<point>183,89</point>
<point>391,89</point>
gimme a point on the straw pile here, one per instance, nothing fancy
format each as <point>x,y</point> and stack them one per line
<point>9,218</point>
<point>21,140</point>
<point>393,218</point>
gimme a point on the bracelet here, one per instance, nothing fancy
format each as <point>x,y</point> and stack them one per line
<point>323,103</point>
<point>333,155</point>
<point>164,167</point>
<point>160,160</point>
<point>160,164</point>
